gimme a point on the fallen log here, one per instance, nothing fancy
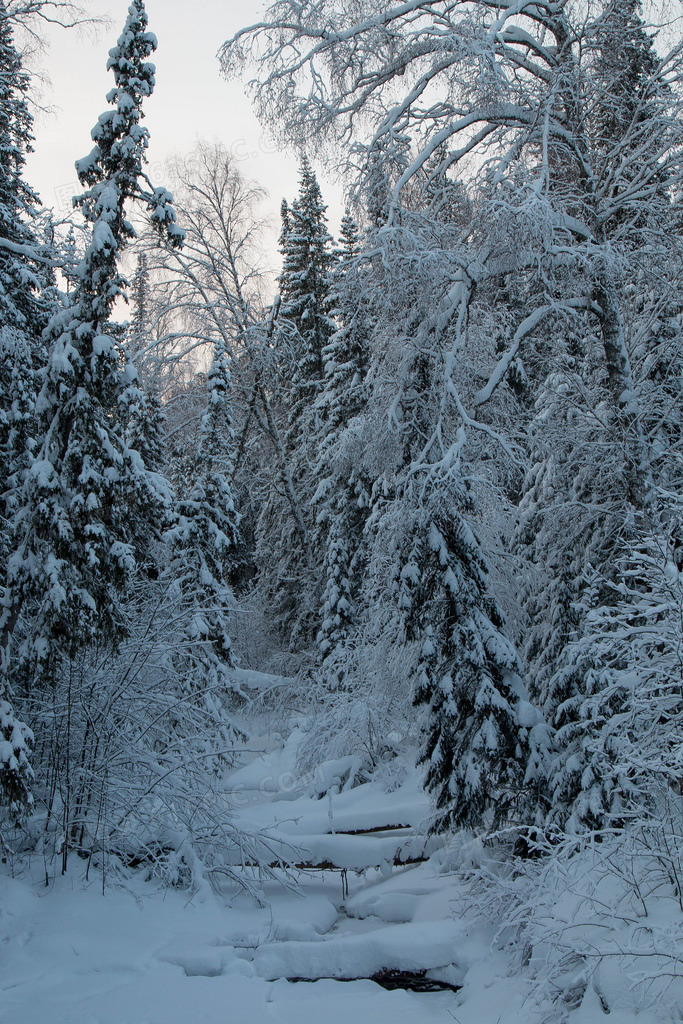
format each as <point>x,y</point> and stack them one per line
<point>409,981</point>
<point>370,831</point>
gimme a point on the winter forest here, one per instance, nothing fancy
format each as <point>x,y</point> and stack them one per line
<point>341,608</point>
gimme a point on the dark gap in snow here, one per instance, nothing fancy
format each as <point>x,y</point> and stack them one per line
<point>409,981</point>
<point>372,831</point>
<point>412,981</point>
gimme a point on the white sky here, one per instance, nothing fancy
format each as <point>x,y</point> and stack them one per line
<point>192,101</point>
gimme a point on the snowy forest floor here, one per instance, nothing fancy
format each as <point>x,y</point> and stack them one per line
<point>137,953</point>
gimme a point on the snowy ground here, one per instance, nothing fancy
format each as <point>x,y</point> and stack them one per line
<point>137,954</point>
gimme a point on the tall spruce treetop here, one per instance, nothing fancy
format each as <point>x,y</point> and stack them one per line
<point>346,354</point>
<point>341,498</point>
<point>626,62</point>
<point>349,236</point>
<point>306,247</point>
<point>19,271</point>
<point>23,315</point>
<point>87,493</point>
<point>303,328</point>
<point>631,99</point>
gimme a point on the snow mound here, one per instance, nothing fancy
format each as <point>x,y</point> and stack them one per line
<point>359,852</point>
<point>414,895</point>
<point>402,947</point>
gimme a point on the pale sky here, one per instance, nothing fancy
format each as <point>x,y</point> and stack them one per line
<point>192,101</point>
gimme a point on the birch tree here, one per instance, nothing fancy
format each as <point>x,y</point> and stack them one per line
<point>515,87</point>
<point>214,291</point>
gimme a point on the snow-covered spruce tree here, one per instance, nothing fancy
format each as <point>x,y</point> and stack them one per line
<point>628,94</point>
<point>203,541</point>
<point>20,262</point>
<point>86,494</point>
<point>307,259</point>
<point>425,623</point>
<point>23,316</point>
<point>571,520</point>
<point>622,734</point>
<point>342,497</point>
<point>468,675</point>
<point>285,552</point>
<point>346,353</point>
<point>427,594</point>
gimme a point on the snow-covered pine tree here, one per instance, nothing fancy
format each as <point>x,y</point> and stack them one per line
<point>23,316</point>
<point>285,225</point>
<point>468,676</point>
<point>346,353</point>
<point>626,69</point>
<point>621,758</point>
<point>20,262</point>
<point>342,498</point>
<point>16,774</point>
<point>86,493</point>
<point>429,591</point>
<point>570,523</point>
<point>307,254</point>
<point>204,540</point>
<point>288,577</point>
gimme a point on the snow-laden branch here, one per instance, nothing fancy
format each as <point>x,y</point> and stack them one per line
<point>528,325</point>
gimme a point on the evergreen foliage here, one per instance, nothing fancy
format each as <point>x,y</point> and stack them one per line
<point>581,522</point>
<point>23,312</point>
<point>204,541</point>
<point>346,353</point>
<point>21,265</point>
<point>342,497</point>
<point>285,537</point>
<point>476,744</point>
<point>23,315</point>
<point>533,305</point>
<point>457,435</point>
<point>86,493</point>
<point>307,259</point>
<point>16,774</point>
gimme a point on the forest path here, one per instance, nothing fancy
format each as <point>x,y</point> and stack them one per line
<point>139,954</point>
